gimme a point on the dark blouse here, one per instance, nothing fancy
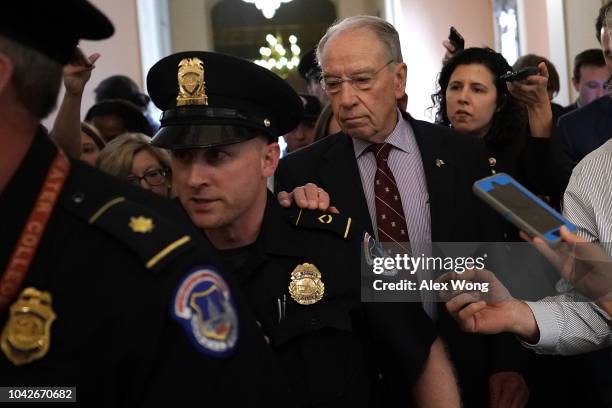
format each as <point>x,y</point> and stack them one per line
<point>537,163</point>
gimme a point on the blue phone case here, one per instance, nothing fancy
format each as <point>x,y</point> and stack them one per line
<point>483,187</point>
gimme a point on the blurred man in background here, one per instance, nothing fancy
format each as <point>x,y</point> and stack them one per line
<point>589,78</point>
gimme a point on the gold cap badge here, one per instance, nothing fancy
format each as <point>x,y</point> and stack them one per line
<point>27,334</point>
<point>141,224</point>
<point>192,87</point>
<point>306,286</point>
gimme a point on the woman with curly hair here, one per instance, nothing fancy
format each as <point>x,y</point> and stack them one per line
<point>513,120</point>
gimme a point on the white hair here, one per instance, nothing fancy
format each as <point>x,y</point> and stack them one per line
<point>386,33</point>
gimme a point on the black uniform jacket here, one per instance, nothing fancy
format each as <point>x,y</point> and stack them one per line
<point>112,290</point>
<point>336,351</point>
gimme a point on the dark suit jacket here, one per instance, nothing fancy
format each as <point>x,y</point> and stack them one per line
<point>587,128</point>
<point>456,216</point>
<point>455,211</point>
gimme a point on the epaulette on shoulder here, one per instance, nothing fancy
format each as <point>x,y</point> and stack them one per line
<point>153,238</point>
<point>339,224</point>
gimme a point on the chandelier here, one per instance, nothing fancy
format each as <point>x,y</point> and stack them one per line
<point>277,58</point>
<point>267,7</point>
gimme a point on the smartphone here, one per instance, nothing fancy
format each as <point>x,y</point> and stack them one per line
<point>520,75</point>
<point>456,39</point>
<point>521,207</point>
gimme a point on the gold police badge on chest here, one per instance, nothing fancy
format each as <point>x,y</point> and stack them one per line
<point>306,286</point>
<point>27,334</point>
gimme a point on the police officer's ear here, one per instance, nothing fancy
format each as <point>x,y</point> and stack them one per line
<point>269,158</point>
<point>6,72</point>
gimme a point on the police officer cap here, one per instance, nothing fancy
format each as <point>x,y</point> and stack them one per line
<point>53,28</point>
<point>308,67</point>
<point>210,99</point>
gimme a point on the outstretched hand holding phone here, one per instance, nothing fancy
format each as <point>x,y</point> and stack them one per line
<point>533,93</point>
<point>453,45</point>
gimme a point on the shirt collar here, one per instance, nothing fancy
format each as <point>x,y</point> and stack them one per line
<point>398,138</point>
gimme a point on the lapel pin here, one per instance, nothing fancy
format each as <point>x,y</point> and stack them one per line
<point>440,162</point>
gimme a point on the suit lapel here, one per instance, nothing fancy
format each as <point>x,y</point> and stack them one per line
<point>438,165</point>
<point>339,175</point>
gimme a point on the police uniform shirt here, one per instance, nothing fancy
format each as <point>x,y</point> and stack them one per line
<point>334,351</point>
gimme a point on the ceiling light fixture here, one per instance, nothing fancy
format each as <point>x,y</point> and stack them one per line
<point>267,7</point>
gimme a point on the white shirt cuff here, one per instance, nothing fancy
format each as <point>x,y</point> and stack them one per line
<point>546,319</point>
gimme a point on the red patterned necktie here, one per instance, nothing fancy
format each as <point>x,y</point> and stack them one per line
<point>390,219</point>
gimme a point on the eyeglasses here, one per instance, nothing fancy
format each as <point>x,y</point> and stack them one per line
<point>363,82</point>
<point>154,177</point>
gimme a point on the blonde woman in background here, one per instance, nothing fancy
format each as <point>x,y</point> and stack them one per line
<point>130,157</point>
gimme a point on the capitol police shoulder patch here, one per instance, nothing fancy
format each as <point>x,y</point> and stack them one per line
<point>203,307</point>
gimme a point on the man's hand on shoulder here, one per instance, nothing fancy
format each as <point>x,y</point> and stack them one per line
<point>309,196</point>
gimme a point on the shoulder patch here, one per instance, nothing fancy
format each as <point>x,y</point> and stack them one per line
<point>204,308</point>
<point>339,224</point>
